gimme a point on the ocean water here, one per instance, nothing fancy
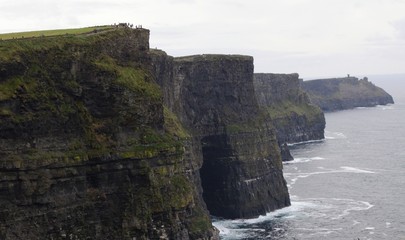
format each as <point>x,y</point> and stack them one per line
<point>351,185</point>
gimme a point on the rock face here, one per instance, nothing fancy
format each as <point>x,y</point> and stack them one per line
<point>92,148</point>
<point>345,93</point>
<point>87,148</point>
<point>294,117</point>
<point>213,95</point>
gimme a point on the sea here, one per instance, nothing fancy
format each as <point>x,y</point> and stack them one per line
<point>350,185</point>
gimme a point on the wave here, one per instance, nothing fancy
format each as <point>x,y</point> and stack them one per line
<point>355,170</point>
<point>250,228</point>
<point>293,177</point>
<point>386,107</point>
<point>353,206</point>
<point>334,135</point>
<point>303,160</point>
<point>304,142</point>
<point>381,107</point>
<point>344,169</point>
<point>324,210</point>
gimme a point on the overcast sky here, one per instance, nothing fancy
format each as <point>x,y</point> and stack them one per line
<point>311,37</point>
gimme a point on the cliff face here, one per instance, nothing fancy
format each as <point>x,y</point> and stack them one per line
<point>87,149</point>
<point>294,117</point>
<point>91,147</point>
<point>345,93</point>
<point>213,95</point>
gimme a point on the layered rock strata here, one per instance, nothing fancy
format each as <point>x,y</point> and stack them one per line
<point>213,95</point>
<point>295,118</point>
<point>102,138</point>
<point>344,93</point>
<point>87,148</point>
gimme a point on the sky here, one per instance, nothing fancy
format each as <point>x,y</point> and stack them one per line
<point>315,38</point>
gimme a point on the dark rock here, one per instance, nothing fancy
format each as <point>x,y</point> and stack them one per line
<point>101,138</point>
<point>87,149</point>
<point>285,152</point>
<point>213,95</point>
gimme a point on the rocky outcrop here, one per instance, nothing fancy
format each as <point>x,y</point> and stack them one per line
<point>87,148</point>
<point>294,117</point>
<point>213,95</point>
<point>345,93</point>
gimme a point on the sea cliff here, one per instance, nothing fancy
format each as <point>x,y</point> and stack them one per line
<point>87,148</point>
<point>103,138</point>
<point>293,115</point>
<point>213,95</point>
<point>344,93</point>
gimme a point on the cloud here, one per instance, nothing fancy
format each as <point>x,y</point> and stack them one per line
<point>400,29</point>
<point>293,35</point>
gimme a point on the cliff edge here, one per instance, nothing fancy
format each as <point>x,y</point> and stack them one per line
<point>344,93</point>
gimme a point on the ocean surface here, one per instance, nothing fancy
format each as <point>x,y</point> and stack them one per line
<point>351,185</point>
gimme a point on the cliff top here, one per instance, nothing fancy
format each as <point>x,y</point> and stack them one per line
<point>335,80</point>
<point>343,85</point>
<point>345,93</point>
<point>213,57</point>
<point>61,32</point>
<point>55,32</point>
<point>277,75</point>
<point>11,49</point>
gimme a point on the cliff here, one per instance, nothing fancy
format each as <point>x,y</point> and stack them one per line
<point>213,95</point>
<point>87,148</point>
<point>345,93</point>
<point>294,117</point>
<point>103,138</point>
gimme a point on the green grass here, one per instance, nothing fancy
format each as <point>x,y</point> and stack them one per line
<point>286,108</point>
<point>57,32</point>
<point>173,125</point>
<point>37,73</point>
<point>13,51</point>
<point>137,80</point>
<point>7,88</point>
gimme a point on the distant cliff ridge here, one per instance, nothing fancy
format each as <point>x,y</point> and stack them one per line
<point>293,116</point>
<point>345,93</point>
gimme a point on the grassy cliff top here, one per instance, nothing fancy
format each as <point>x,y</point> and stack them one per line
<point>17,45</point>
<point>56,32</point>
<point>348,87</point>
<point>213,57</point>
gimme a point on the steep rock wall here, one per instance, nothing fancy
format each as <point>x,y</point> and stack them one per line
<point>345,93</point>
<point>213,96</point>
<point>294,117</point>
<point>87,149</point>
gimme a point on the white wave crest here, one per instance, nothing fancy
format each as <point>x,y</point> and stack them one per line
<point>355,170</point>
<point>293,177</point>
<point>334,135</point>
<point>303,160</point>
<point>385,107</point>
<point>323,209</point>
<point>305,142</point>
